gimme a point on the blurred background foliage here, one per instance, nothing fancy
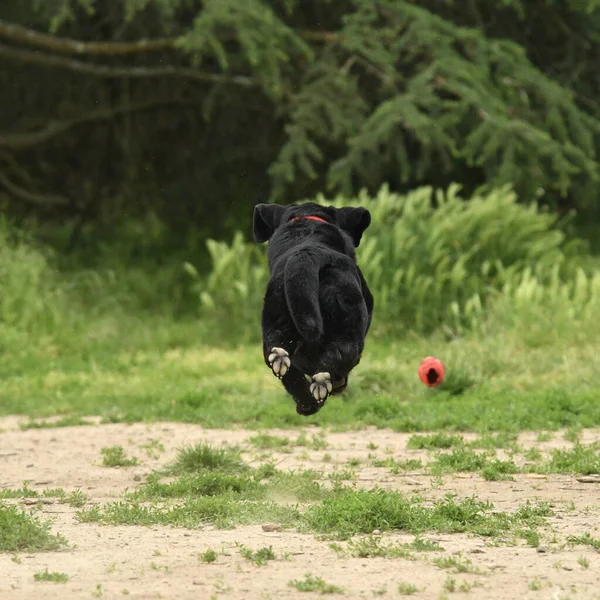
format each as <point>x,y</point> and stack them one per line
<point>137,135</point>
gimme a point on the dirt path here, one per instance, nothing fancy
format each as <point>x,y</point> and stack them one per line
<point>159,562</point>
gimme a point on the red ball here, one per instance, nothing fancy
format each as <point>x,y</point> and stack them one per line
<point>431,371</point>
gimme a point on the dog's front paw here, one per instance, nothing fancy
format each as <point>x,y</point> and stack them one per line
<point>279,361</point>
<point>321,387</point>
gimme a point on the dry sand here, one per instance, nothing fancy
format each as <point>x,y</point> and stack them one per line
<point>162,562</point>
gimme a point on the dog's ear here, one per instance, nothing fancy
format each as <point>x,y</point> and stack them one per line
<point>354,221</point>
<point>265,221</point>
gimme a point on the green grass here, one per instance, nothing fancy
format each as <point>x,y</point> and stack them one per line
<point>208,556</point>
<point>311,583</point>
<point>584,540</point>
<point>21,531</point>
<point>259,557</point>
<point>115,457</point>
<point>458,565</point>
<point>204,457</point>
<point>407,589</point>
<point>53,576</point>
<point>213,486</point>
<point>76,498</point>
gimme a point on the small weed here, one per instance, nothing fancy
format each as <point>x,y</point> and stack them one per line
<point>318,442</point>
<point>503,439</point>
<point>264,441</point>
<point>53,576</point>
<point>544,436</point>
<point>449,585</point>
<point>342,475</point>
<point>499,470</point>
<point>372,446</point>
<point>581,459</point>
<point>407,589</point>
<point>114,456</point>
<point>584,540</point>
<point>208,556</point>
<point>584,562</point>
<point>98,593</point>
<point>457,461</point>
<point>399,466</point>
<point>259,557</point>
<point>326,457</point>
<point>153,448</point>
<point>204,457</point>
<point>353,462</point>
<point>572,434</point>
<point>24,532</point>
<point>535,585</point>
<point>437,440</point>
<point>77,499</point>
<point>533,455</point>
<point>421,545</point>
<point>315,584</point>
<point>458,564</point>
<point>371,546</point>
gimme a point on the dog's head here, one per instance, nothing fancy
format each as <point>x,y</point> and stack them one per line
<point>269,217</point>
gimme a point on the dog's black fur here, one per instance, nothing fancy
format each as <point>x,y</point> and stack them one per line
<point>317,307</point>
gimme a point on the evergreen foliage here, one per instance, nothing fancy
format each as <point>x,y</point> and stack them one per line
<point>195,109</point>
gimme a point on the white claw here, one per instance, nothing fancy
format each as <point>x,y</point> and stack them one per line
<point>279,361</point>
<point>321,386</point>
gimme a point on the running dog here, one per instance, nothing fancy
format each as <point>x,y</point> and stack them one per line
<point>317,308</point>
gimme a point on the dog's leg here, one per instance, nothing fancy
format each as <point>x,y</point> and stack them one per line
<point>298,387</point>
<point>340,383</point>
<point>279,360</point>
<point>336,361</point>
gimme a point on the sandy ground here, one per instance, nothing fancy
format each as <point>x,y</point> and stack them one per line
<point>161,562</point>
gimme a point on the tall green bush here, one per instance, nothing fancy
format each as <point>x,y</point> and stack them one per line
<point>431,259</point>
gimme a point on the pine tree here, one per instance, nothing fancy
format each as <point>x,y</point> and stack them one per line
<point>344,94</point>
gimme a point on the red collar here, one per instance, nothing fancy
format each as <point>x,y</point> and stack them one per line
<point>310,217</point>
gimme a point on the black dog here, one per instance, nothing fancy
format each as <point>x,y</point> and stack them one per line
<point>317,307</point>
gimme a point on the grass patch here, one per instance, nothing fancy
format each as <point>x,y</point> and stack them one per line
<point>436,440</point>
<point>581,459</point>
<point>264,441</point>
<point>75,499</point>
<point>204,457</point>
<point>584,540</point>
<point>66,421</point>
<point>457,564</point>
<point>310,583</point>
<point>407,589</point>
<point>373,546</point>
<point>346,513</point>
<point>259,557</point>
<point>457,461</point>
<point>23,532</point>
<point>208,556</point>
<point>52,576</point>
<point>115,456</point>
<point>399,466</point>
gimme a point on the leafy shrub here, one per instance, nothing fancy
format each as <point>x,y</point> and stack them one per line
<point>431,259</point>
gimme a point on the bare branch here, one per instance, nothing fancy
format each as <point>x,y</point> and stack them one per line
<point>32,197</point>
<point>22,141</point>
<point>59,62</point>
<point>24,35</point>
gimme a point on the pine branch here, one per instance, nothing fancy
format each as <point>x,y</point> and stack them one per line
<point>22,141</point>
<point>24,35</point>
<point>59,62</point>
